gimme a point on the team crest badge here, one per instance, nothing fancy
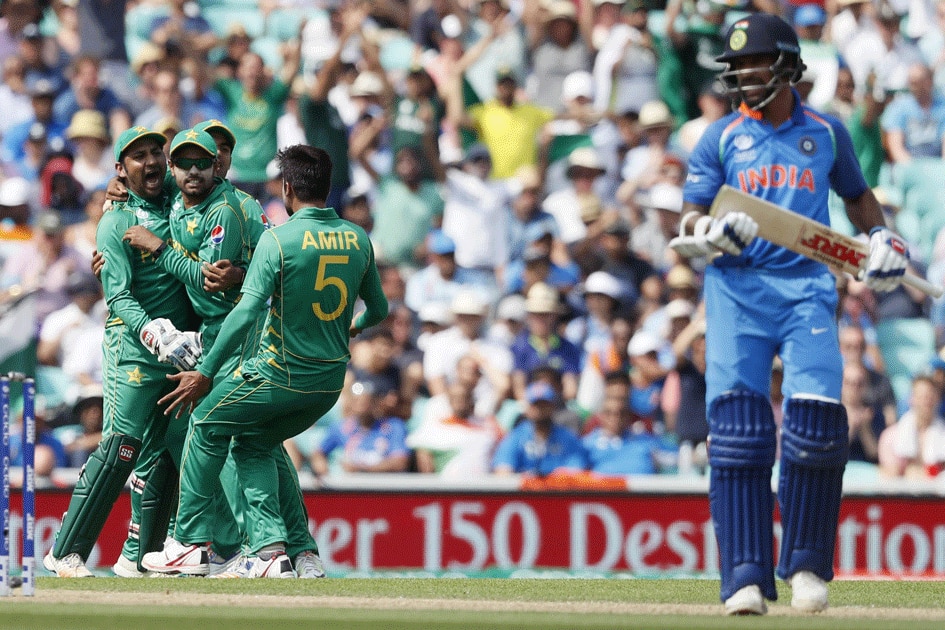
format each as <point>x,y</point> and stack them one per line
<point>742,142</point>
<point>738,40</point>
<point>807,145</point>
<point>217,235</point>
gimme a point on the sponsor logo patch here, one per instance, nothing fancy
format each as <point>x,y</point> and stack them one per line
<point>125,453</point>
<point>217,234</point>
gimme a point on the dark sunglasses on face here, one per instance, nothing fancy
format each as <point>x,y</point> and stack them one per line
<point>187,163</point>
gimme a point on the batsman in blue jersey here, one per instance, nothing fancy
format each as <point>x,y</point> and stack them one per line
<point>763,300</point>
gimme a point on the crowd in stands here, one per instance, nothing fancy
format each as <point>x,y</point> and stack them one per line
<point>518,165</point>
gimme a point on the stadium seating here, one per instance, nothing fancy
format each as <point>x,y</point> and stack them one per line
<point>922,214</point>
<point>907,345</point>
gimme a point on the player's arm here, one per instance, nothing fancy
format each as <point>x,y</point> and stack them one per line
<point>232,246</point>
<point>116,275</point>
<point>375,302</point>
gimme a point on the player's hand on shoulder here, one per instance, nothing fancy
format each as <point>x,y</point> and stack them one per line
<point>887,261</point>
<point>732,233</point>
<point>169,345</point>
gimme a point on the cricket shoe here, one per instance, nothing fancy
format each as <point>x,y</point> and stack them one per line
<point>309,565</point>
<point>178,559</point>
<point>126,568</point>
<point>747,600</point>
<point>809,592</point>
<point>70,566</point>
<point>278,566</point>
<point>236,567</point>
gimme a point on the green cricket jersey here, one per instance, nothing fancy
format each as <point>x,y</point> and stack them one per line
<point>213,230</point>
<point>314,267</point>
<point>136,288</point>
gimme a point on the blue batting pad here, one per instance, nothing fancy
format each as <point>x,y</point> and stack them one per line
<point>742,446</point>
<point>814,446</point>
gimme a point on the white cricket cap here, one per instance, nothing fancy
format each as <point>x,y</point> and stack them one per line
<point>435,313</point>
<point>14,191</point>
<point>642,343</point>
<point>468,302</point>
<point>680,308</point>
<point>604,283</point>
<point>666,197</point>
<point>511,307</point>
<point>578,83</point>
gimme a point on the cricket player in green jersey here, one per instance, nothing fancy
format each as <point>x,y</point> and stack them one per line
<point>148,309</point>
<point>208,225</point>
<point>312,269</point>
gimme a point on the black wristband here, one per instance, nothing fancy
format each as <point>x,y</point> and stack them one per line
<point>160,249</point>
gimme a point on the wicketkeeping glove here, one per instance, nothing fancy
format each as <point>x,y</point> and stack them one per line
<point>887,260</point>
<point>162,339</point>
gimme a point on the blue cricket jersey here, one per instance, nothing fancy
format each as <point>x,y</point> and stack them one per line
<point>794,166</point>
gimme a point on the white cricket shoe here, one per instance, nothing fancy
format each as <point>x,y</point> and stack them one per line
<point>71,566</point>
<point>126,568</point>
<point>309,565</point>
<point>278,566</point>
<point>809,592</point>
<point>747,600</point>
<point>236,567</point>
<point>178,559</point>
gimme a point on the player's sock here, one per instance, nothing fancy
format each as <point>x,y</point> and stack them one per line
<point>814,448</point>
<point>270,551</point>
<point>741,452</point>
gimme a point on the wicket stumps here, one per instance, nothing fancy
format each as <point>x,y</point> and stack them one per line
<point>28,447</point>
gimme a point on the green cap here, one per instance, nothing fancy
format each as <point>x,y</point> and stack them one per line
<point>130,136</point>
<point>200,139</point>
<point>215,125</point>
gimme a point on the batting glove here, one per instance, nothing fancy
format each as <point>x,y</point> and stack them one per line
<point>169,345</point>
<point>732,233</point>
<point>887,260</point>
<point>696,245</point>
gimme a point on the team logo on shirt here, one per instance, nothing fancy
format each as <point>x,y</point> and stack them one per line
<point>217,235</point>
<point>742,142</point>
<point>807,145</point>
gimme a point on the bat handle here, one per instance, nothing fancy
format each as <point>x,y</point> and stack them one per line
<point>923,285</point>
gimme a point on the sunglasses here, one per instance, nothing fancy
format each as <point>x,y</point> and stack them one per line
<point>187,163</point>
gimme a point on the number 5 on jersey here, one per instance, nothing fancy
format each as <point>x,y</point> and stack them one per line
<point>322,281</point>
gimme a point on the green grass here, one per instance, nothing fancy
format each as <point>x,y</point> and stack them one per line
<point>18,612</point>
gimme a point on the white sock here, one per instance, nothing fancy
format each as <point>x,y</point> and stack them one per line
<point>269,551</point>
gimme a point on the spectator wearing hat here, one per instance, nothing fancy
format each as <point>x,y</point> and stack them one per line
<point>42,94</point>
<point>658,223</point>
<point>86,92</point>
<point>83,433</point>
<point>525,212</point>
<point>510,129</point>
<point>439,281</point>
<point>537,446</point>
<point>61,328</point>
<point>93,165</point>
<point>504,51</point>
<point>600,306</point>
<point>453,441</point>
<point>466,337</point>
<point>432,318</point>
<point>35,150</point>
<point>625,68</point>
<point>474,217</point>
<point>15,215</point>
<point>641,166</point>
<point>647,377</point>
<point>558,50</point>
<point>509,320</point>
<point>584,168</point>
<point>539,344</point>
<point>681,283</point>
<point>365,440</point>
<point>44,265</point>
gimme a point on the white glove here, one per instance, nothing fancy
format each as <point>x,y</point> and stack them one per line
<point>887,260</point>
<point>732,233</point>
<point>162,339</point>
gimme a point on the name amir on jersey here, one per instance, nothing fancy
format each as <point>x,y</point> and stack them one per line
<point>331,240</point>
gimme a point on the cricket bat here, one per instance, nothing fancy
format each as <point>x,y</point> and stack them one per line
<point>805,236</point>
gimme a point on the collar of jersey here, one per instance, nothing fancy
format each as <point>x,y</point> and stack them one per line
<point>315,213</point>
<point>797,112</point>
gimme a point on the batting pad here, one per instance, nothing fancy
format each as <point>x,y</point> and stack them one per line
<point>814,448</point>
<point>101,481</point>
<point>158,501</point>
<point>742,447</point>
